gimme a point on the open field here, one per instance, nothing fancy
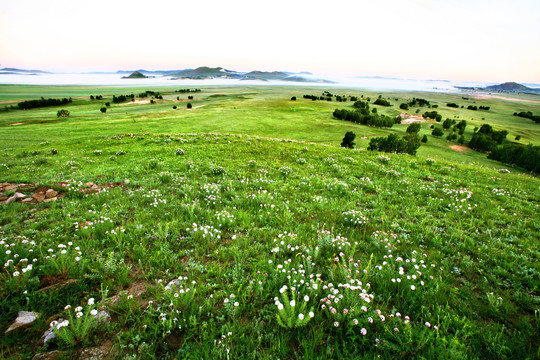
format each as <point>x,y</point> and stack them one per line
<point>202,233</point>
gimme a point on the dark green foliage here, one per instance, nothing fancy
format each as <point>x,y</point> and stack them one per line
<point>32,104</point>
<point>518,137</point>
<point>190,97</point>
<point>447,123</point>
<point>419,102</point>
<point>122,98</point>
<point>461,140</point>
<point>404,106</point>
<point>374,111</point>
<point>414,128</point>
<point>452,105</point>
<point>189,106</point>
<point>62,113</point>
<point>152,93</point>
<point>437,131</point>
<point>382,102</point>
<point>293,98</point>
<point>528,115</point>
<point>433,115</point>
<point>394,144</point>
<point>451,137</point>
<point>174,107</point>
<point>107,104</point>
<point>97,97</point>
<point>187,90</point>
<point>527,157</point>
<point>472,107</point>
<point>486,108</point>
<point>348,140</point>
<point>103,109</point>
<point>358,117</point>
<point>424,139</point>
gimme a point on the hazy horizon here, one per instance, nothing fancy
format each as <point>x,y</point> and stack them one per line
<point>457,40</point>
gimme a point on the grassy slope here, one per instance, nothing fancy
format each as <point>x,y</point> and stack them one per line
<point>490,248</point>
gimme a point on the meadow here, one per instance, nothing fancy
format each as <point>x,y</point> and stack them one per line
<point>239,229</point>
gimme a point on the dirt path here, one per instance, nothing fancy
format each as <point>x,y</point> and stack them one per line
<point>504,98</point>
<point>459,148</point>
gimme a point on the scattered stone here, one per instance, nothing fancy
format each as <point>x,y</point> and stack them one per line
<point>10,187</point>
<point>28,200</point>
<point>93,353</point>
<point>51,199</point>
<point>24,318</point>
<point>50,193</point>
<point>39,197</point>
<point>103,317</point>
<point>46,337</point>
<point>53,355</point>
<point>3,197</point>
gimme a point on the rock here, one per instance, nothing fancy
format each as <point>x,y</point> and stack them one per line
<point>10,187</point>
<point>46,337</point>
<point>53,355</point>
<point>51,199</point>
<point>3,197</point>
<point>50,193</point>
<point>92,354</point>
<point>28,200</point>
<point>19,195</point>
<point>39,197</point>
<point>24,318</point>
<point>172,284</point>
<point>103,317</point>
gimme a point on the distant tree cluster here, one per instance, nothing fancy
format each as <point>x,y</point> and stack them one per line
<point>486,108</point>
<point>437,131</point>
<point>527,157</point>
<point>362,115</point>
<point>486,139</point>
<point>472,107</point>
<point>328,96</point>
<point>408,144</point>
<point>32,104</point>
<point>62,113</point>
<point>97,97</point>
<point>148,93</point>
<point>528,115</point>
<point>452,105</point>
<point>433,115</point>
<point>122,98</point>
<point>187,90</point>
<point>382,102</point>
<point>419,102</point>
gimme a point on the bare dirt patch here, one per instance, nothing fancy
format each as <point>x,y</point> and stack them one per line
<point>459,148</point>
<point>16,124</point>
<point>135,102</point>
<point>409,119</point>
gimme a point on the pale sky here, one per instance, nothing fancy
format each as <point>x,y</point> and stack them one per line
<point>463,40</point>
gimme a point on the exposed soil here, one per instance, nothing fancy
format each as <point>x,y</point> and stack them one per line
<point>486,96</point>
<point>459,148</point>
<point>135,102</point>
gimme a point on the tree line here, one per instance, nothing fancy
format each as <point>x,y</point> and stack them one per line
<point>528,115</point>
<point>362,115</point>
<point>32,104</point>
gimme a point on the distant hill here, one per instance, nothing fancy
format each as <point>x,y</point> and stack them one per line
<point>150,72</point>
<point>135,75</point>
<point>15,71</point>
<point>505,87</point>
<point>511,87</point>
<point>265,75</point>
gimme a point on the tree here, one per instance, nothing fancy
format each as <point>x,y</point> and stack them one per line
<point>293,98</point>
<point>174,107</point>
<point>189,106</point>
<point>103,109</point>
<point>348,140</point>
<point>62,113</point>
<point>413,128</point>
<point>424,139</point>
<point>404,106</point>
<point>437,132</point>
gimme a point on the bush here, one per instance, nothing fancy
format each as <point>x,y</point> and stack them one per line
<point>433,115</point>
<point>424,139</point>
<point>293,98</point>
<point>189,106</point>
<point>62,113</point>
<point>404,106</point>
<point>437,132</point>
<point>527,157</point>
<point>103,109</point>
<point>413,128</point>
<point>174,107</point>
<point>394,144</point>
<point>382,102</point>
<point>348,140</point>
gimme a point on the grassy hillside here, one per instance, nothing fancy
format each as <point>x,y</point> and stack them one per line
<point>383,255</point>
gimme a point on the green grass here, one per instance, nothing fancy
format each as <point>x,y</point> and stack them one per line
<point>239,216</point>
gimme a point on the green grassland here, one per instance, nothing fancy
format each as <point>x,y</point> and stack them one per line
<point>241,230</point>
